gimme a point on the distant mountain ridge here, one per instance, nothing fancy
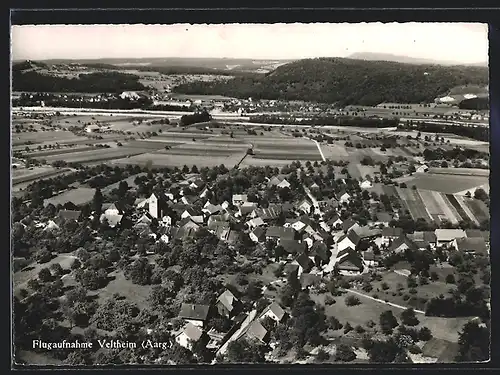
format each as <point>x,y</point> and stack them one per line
<point>375,56</point>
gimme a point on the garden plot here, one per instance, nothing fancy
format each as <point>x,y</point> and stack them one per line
<point>432,204</point>
<point>461,171</point>
<point>447,208</point>
<point>462,208</point>
<point>67,150</point>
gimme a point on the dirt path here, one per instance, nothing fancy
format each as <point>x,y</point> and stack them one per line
<point>381,301</point>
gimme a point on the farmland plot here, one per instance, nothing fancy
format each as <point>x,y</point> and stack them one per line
<point>44,136</point>
<point>448,184</point>
<point>415,204</point>
<point>173,160</point>
<point>20,176</point>
<point>97,155</point>
<point>460,213</point>
<point>465,209</point>
<point>334,151</point>
<point>478,208</point>
<point>447,208</point>
<point>460,171</point>
<point>76,196</point>
<point>432,205</point>
<point>44,153</point>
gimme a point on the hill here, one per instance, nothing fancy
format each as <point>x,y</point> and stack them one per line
<point>26,76</point>
<point>373,56</point>
<point>346,81</point>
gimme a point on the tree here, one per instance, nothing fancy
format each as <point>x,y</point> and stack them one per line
<point>352,301</point>
<point>450,279</point>
<point>322,355</point>
<point>424,334</point>
<point>388,322</point>
<point>409,318</point>
<point>480,194</point>
<point>97,201</point>
<point>242,351</point>
<point>474,342</point>
<point>344,353</point>
<point>139,272</point>
<point>384,351</point>
<point>44,275</point>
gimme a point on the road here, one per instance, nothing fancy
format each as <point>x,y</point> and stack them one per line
<point>320,150</point>
<point>381,301</point>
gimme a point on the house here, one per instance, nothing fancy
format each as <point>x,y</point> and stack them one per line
<point>256,331</point>
<point>186,229</point>
<point>305,264</point>
<point>447,237</point>
<point>366,232</point>
<point>239,199</point>
<point>305,206</point>
<point>314,186</point>
<point>304,224</point>
<point>279,182</point>
<point>335,222</point>
<point>308,280</point>
<point>189,199</point>
<point>190,335</point>
<point>258,235</point>
<point>349,224</point>
<point>293,246</point>
<point>366,184</point>
<point>146,218</point>
<point>197,184</point>
<point>423,239</point>
<point>422,168</point>
<point>211,209</point>
<point>194,314</point>
<point>273,311</point>
<point>383,218</point>
<point>474,245</point>
<point>246,208</point>
<point>402,244</point>
<point>132,95</point>
<point>344,197</point>
<point>51,225</point>
<point>351,239</point>
<point>280,233</point>
<point>389,234</point>
<point>350,264</point>
<point>369,259</point>
<point>266,214</point>
<point>195,214</point>
<point>227,304</point>
<point>112,219</point>
<point>220,229</point>
<point>328,203</point>
<point>254,223</point>
<point>114,209</point>
<point>166,221</point>
<point>476,233</point>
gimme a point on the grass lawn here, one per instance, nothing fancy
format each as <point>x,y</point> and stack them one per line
<point>31,272</point>
<point>133,293</point>
<point>76,196</point>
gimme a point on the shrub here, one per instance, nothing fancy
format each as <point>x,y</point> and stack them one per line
<point>329,300</point>
<point>414,349</point>
<point>385,286</point>
<point>359,329</point>
<point>425,334</point>
<point>413,291</point>
<point>323,355</point>
<point>406,297</point>
<point>352,301</point>
<point>347,328</point>
<point>450,279</point>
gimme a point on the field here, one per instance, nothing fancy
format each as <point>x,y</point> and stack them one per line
<point>477,207</point>
<point>23,175</point>
<point>51,136</point>
<point>97,155</point>
<point>446,183</point>
<point>414,202</point>
<point>77,196</point>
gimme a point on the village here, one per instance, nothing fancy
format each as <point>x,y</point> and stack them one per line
<point>307,241</point>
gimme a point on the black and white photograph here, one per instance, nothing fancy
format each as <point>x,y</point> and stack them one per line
<point>280,194</point>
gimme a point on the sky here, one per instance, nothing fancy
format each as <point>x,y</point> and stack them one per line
<point>458,42</point>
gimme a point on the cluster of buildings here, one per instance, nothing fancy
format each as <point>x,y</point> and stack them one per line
<point>305,243</point>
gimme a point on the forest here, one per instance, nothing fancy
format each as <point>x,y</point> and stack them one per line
<point>112,82</point>
<point>346,82</point>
